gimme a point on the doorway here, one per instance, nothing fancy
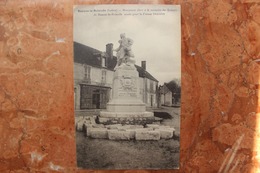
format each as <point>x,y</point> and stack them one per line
<point>96,100</point>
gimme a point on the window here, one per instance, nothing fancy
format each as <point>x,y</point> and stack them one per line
<point>103,63</point>
<point>103,77</point>
<point>147,85</point>
<point>151,86</point>
<point>87,73</point>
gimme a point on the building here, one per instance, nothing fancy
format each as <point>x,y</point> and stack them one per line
<point>93,78</point>
<point>93,75</point>
<point>148,86</point>
<point>166,96</point>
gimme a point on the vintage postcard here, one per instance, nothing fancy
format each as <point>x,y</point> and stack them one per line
<point>127,86</point>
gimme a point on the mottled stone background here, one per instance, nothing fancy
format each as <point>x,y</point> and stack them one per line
<point>220,85</point>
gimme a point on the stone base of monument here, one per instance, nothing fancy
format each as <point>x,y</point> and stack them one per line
<point>134,118</point>
<point>126,133</point>
<point>105,114</point>
<point>120,105</point>
<point>93,129</point>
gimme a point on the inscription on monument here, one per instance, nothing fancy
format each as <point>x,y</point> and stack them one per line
<point>127,94</point>
<point>128,84</point>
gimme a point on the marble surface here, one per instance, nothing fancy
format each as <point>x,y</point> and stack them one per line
<point>220,86</point>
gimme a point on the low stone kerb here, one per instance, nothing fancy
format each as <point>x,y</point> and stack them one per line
<point>99,133</point>
<point>119,135</point>
<point>147,135</point>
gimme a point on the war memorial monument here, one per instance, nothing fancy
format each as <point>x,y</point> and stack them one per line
<point>126,117</point>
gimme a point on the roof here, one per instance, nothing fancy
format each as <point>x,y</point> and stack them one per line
<point>164,89</point>
<point>145,74</point>
<point>87,55</point>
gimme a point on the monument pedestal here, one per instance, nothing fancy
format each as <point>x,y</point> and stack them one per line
<point>126,106</point>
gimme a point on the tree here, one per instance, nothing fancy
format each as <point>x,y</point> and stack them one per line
<point>175,87</point>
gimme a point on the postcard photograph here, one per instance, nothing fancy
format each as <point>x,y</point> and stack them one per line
<point>127,86</point>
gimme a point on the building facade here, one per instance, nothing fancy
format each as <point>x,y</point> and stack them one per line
<point>148,86</point>
<point>93,78</point>
<point>166,98</point>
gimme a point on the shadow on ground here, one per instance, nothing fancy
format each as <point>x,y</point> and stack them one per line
<point>164,115</point>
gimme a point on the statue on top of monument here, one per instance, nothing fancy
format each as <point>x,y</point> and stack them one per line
<point>124,51</point>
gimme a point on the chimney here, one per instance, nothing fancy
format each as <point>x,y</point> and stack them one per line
<point>144,65</point>
<point>109,50</point>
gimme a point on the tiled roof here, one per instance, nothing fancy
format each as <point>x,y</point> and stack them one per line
<point>143,73</point>
<point>164,89</point>
<point>87,55</point>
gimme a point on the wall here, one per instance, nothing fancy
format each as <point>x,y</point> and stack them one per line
<point>220,85</point>
<point>145,91</point>
<point>95,75</point>
<point>167,98</point>
<point>95,79</point>
<point>150,92</point>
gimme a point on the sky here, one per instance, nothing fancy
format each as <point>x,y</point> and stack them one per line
<point>157,37</point>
